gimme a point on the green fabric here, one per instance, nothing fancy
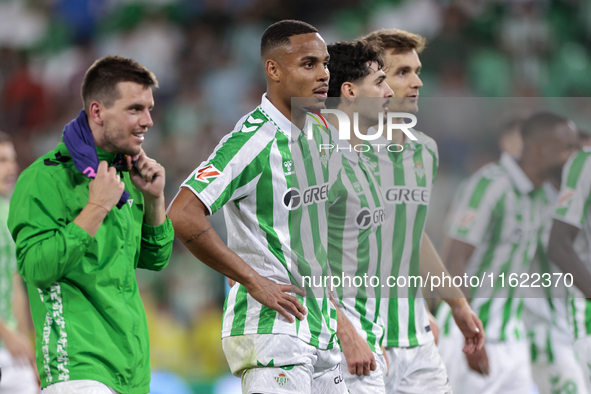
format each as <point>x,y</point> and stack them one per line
<point>89,318</point>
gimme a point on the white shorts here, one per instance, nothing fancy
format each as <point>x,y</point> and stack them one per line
<point>555,367</point>
<point>372,384</point>
<point>509,367</point>
<point>79,387</point>
<point>583,352</point>
<point>17,378</point>
<point>282,364</point>
<point>416,370</point>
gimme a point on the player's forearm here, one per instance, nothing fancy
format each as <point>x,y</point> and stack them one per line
<point>430,264</point>
<point>457,258</point>
<point>5,332</point>
<point>155,211</point>
<point>345,330</point>
<point>562,253</point>
<point>91,218</point>
<point>20,305</point>
<point>193,229</point>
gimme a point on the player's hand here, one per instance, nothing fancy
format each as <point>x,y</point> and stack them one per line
<point>360,359</point>
<point>275,296</point>
<point>434,326</point>
<point>19,347</point>
<point>470,326</point>
<point>231,282</point>
<point>387,360</point>
<point>478,361</point>
<point>148,175</point>
<point>106,188</point>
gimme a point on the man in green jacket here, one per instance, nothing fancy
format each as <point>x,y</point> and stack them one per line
<point>84,217</point>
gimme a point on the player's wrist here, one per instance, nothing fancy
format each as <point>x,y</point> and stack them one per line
<point>457,304</point>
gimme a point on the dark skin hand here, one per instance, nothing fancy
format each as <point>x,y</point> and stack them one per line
<point>458,256</point>
<point>191,226</point>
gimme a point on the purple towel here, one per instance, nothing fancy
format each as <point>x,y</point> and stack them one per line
<point>80,143</point>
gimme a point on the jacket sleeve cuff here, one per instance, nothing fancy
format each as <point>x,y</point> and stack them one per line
<point>158,235</point>
<point>77,233</point>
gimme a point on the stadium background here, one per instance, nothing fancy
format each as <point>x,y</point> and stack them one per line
<point>206,56</point>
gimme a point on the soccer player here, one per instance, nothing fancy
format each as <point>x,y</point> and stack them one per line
<point>495,232</point>
<point>555,367</point>
<point>84,219</point>
<point>570,249</point>
<point>356,213</point>
<point>406,170</point>
<point>276,218</point>
<point>17,358</point>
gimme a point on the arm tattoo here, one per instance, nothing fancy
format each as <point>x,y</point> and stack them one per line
<point>196,236</point>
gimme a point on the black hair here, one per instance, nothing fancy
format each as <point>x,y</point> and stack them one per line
<point>279,33</point>
<point>540,123</point>
<point>349,62</point>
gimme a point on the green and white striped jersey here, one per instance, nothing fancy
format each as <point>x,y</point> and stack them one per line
<point>545,313</point>
<point>500,214</point>
<point>273,184</point>
<point>7,268</point>
<point>573,207</point>
<point>406,180</point>
<point>355,216</point>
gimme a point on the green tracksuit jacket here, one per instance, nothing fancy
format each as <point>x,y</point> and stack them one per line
<point>89,319</point>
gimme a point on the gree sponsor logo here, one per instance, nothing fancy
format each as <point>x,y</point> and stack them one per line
<point>293,198</point>
<point>366,218</point>
<point>407,195</point>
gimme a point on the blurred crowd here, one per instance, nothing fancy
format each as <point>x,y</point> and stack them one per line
<point>205,55</point>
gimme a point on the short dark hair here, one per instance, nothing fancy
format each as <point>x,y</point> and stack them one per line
<point>101,79</point>
<point>540,123</point>
<point>400,41</point>
<point>349,62</point>
<point>5,138</point>
<point>279,33</point>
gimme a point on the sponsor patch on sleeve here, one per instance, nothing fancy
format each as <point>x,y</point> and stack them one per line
<point>565,197</point>
<point>207,173</point>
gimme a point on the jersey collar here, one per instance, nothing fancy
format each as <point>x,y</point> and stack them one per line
<point>279,119</point>
<point>520,180</point>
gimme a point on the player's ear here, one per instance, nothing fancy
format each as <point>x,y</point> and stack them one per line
<point>272,70</point>
<point>348,90</point>
<point>94,113</point>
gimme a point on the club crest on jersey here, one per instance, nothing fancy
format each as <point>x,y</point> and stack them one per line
<point>419,170</point>
<point>324,157</point>
<point>357,187</point>
<point>281,379</point>
<point>207,173</point>
<point>288,164</point>
<point>565,197</point>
